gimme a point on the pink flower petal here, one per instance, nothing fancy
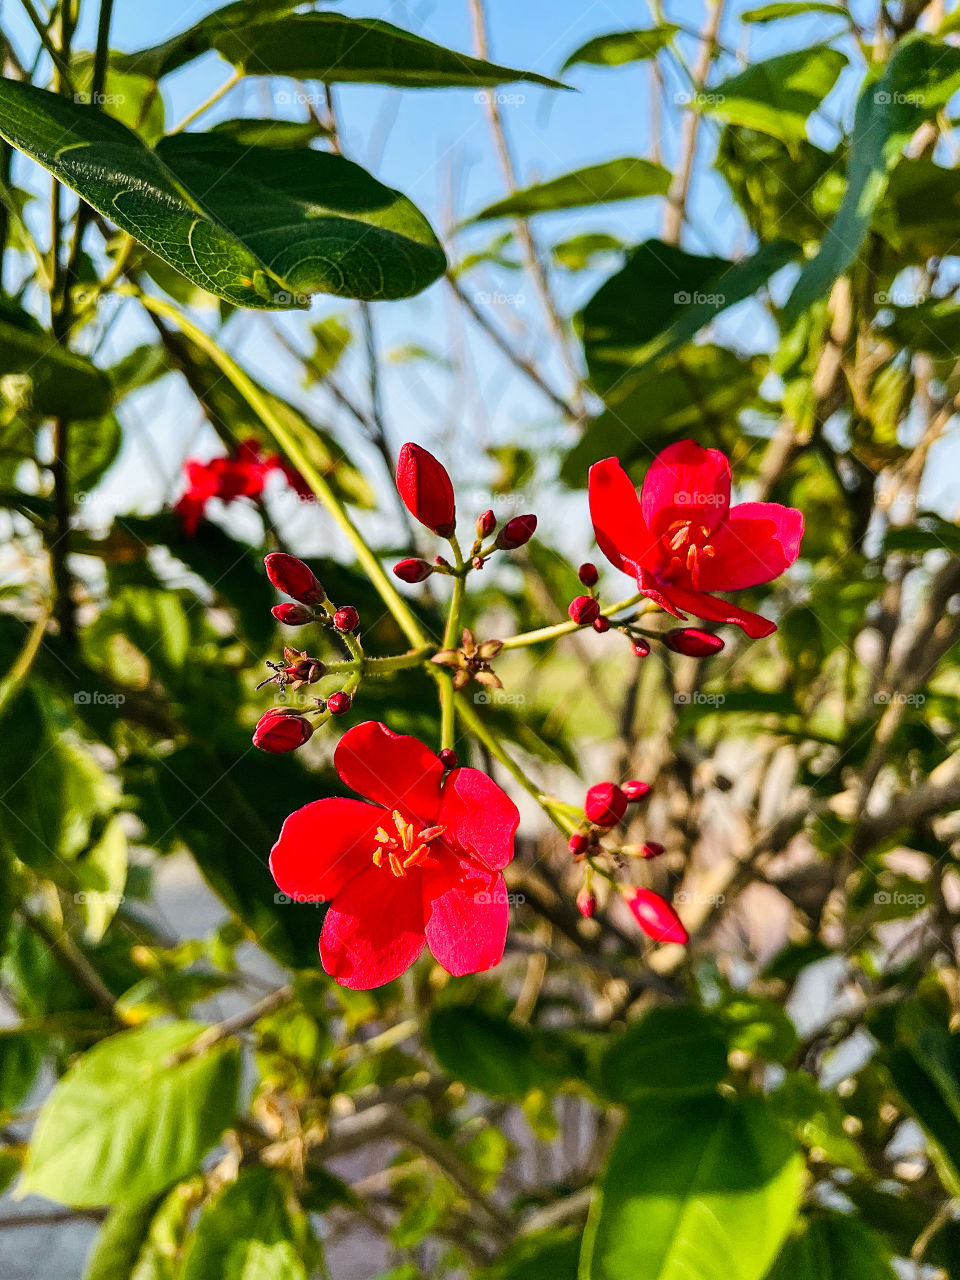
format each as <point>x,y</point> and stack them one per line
<point>755,544</point>
<point>479,817</point>
<point>373,930</point>
<point>466,918</point>
<point>392,769</point>
<point>322,846</point>
<point>618,524</point>
<point>686,482</point>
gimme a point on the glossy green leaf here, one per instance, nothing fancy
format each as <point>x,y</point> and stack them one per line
<point>127,1120</point>
<point>246,1233</point>
<point>682,292</point>
<point>918,81</point>
<point>497,1056</point>
<point>796,9</point>
<point>625,179</point>
<point>337,49</point>
<point>620,47</point>
<point>778,95</point>
<point>160,59</point>
<point>705,1187</point>
<point>271,133</point>
<point>834,1246</point>
<point>673,1049</point>
<point>128,96</point>
<point>783,192</point>
<point>241,222</point>
<point>50,381</point>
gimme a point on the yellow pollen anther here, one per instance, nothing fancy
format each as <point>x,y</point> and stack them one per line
<point>407,848</point>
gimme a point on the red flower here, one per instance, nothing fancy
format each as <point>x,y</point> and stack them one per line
<point>420,864</point>
<point>242,474</point>
<point>681,539</point>
<point>426,490</point>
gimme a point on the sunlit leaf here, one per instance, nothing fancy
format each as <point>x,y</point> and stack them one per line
<point>624,179</point>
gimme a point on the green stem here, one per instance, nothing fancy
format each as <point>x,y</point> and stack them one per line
<point>451,634</point>
<point>566,628</point>
<point>12,682</point>
<point>288,443</point>
<point>374,668</point>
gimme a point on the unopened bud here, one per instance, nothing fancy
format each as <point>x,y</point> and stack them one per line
<point>601,624</point>
<point>486,523</point>
<point>292,615</point>
<point>339,703</point>
<point>655,916</point>
<point>586,903</point>
<point>605,804</point>
<point>426,489</point>
<point>293,577</point>
<point>635,790</point>
<point>477,562</point>
<point>346,618</point>
<point>579,844</point>
<point>588,574</point>
<point>412,570</point>
<point>516,532</point>
<point>583,610</point>
<point>651,849</point>
<point>448,758</point>
<point>280,729</point>
<point>641,648</point>
<point>692,642</point>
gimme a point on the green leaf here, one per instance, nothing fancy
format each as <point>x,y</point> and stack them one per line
<point>337,49</point>
<point>102,875</point>
<point>682,292</point>
<point>241,222</point>
<point>620,47</point>
<point>579,252</point>
<point>778,95</point>
<point>246,1233</point>
<point>919,214</point>
<point>625,179</point>
<point>128,96</point>
<point>544,1253</point>
<point>930,532</point>
<point>705,1187</point>
<point>21,1053</point>
<point>294,134</point>
<point>800,8</point>
<point>55,381</point>
<point>497,1056</point>
<point>672,1050</point>
<point>94,447</point>
<point>834,1246</point>
<point>918,81</point>
<point>787,192</point>
<point>120,1241</point>
<point>125,1121</point>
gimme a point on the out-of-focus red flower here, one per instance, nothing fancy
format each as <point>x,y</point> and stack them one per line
<point>681,539</point>
<point>241,474</point>
<point>421,864</point>
<point>605,804</point>
<point>655,916</point>
<point>426,489</point>
<point>280,729</point>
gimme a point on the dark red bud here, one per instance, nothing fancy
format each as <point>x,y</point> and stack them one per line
<point>586,903</point>
<point>346,618</point>
<point>486,524</point>
<point>588,574</point>
<point>292,615</point>
<point>306,670</point>
<point>448,758</point>
<point>692,642</point>
<point>635,790</point>
<point>426,490</point>
<point>641,648</point>
<point>651,849</point>
<point>579,844</point>
<point>280,729</point>
<point>516,532</point>
<point>584,610</point>
<point>293,577</point>
<point>339,703</point>
<point>605,804</point>
<point>412,570</point>
<point>655,916</point>
<point>477,562</point>
<point>601,624</point>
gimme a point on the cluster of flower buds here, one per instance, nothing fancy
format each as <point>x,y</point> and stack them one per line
<point>691,642</point>
<point>284,728</point>
<point>471,661</point>
<point>426,491</point>
<point>604,807</point>
<point>585,610</point>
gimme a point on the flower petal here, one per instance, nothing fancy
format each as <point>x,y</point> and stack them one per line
<point>479,817</point>
<point>466,918</point>
<point>373,930</point>
<point>322,846</point>
<point>392,769</point>
<point>686,482</point>
<point>756,543</point>
<point>660,593</point>
<point>714,609</point>
<point>618,524</point>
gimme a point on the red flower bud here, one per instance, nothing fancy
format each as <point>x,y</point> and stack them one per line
<point>292,615</point>
<point>412,570</point>
<point>280,729</point>
<point>692,642</point>
<point>486,524</point>
<point>516,532</point>
<point>605,804</point>
<point>651,849</point>
<point>579,844</point>
<point>641,648</point>
<point>339,703</point>
<point>586,903</point>
<point>635,790</point>
<point>601,624</point>
<point>346,618</point>
<point>425,488</point>
<point>655,916</point>
<point>584,610</point>
<point>477,562</point>
<point>293,578</point>
<point>588,574</point>
<point>448,758</point>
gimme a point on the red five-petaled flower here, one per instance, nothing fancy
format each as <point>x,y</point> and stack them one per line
<point>681,539</point>
<point>420,864</point>
<point>426,490</point>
